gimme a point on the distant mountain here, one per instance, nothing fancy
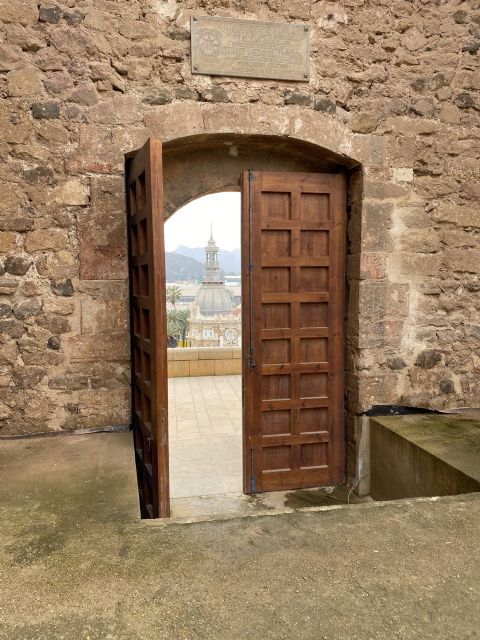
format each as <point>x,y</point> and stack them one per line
<point>230,261</point>
<point>180,267</point>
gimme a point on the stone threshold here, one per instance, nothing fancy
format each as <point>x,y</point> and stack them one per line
<point>403,503</point>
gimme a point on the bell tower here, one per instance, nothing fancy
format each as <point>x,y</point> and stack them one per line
<point>212,265</point>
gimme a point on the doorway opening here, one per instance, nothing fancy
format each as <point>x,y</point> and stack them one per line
<point>293,228</point>
<point>204,329</point>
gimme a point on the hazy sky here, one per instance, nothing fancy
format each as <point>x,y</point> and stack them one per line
<point>190,225</point>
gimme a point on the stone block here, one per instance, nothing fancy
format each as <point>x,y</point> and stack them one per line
<point>24,82</point>
<point>104,316</point>
<point>72,193</point>
<point>369,149</point>
<point>165,124</point>
<point>22,11</point>
<point>363,122</point>
<point>46,110</point>
<point>214,353</point>
<point>8,241</point>
<point>202,368</point>
<point>421,241</point>
<point>103,263</point>
<point>420,264</point>
<point>376,225</point>
<point>380,334</point>
<point>187,353</point>
<point>117,110</point>
<point>8,287</point>
<point>60,306</point>
<point>236,352</point>
<point>459,215</point>
<point>104,289</point>
<point>49,13</point>
<point>462,260</point>
<point>103,407</point>
<point>101,347</point>
<point>411,126</point>
<point>367,265</point>
<point>14,127</point>
<point>228,367</point>
<point>178,368</point>
<point>46,240</point>
<point>136,30</point>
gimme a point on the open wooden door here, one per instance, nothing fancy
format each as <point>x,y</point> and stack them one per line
<point>144,185</point>
<point>293,300</point>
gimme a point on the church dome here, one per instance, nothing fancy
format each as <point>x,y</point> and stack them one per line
<point>213,299</point>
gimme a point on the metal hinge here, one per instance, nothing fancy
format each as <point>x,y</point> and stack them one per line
<point>253,481</point>
<point>251,176</point>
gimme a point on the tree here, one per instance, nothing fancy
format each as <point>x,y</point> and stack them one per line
<point>174,293</point>
<point>177,323</point>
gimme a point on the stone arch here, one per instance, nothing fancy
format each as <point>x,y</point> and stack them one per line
<point>206,146</point>
<point>195,166</point>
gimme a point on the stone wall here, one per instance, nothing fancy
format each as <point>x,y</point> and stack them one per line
<point>394,92</point>
<point>204,361</point>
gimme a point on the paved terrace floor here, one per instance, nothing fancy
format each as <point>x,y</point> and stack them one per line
<point>77,564</point>
<point>205,429</point>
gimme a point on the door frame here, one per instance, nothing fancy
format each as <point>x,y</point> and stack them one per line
<point>161,427</point>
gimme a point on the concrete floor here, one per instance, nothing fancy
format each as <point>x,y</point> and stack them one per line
<point>205,430</point>
<point>77,564</point>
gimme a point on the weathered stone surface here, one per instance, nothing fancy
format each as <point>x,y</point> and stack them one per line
<point>63,287</point>
<point>161,95</point>
<point>84,94</point>
<point>104,316</point>
<point>397,363</point>
<point>24,82</point>
<point>119,72</point>
<point>26,309</point>
<point>325,104</point>
<point>363,122</point>
<point>8,241</point>
<point>8,287</point>
<point>54,343</point>
<point>136,30</point>
<point>21,11</point>
<point>54,323</point>
<point>49,13</point>
<point>462,260</point>
<point>117,110</point>
<point>447,386</point>
<point>104,347</point>
<point>17,265</point>
<point>72,193</point>
<point>462,216</point>
<point>45,110</point>
<point>297,98</point>
<point>428,359</point>
<point>29,377</point>
<point>61,264</point>
<point>215,94</point>
<point>46,239</point>
<point>5,310</point>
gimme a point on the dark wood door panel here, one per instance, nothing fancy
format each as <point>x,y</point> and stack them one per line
<point>293,243</point>
<point>143,176</point>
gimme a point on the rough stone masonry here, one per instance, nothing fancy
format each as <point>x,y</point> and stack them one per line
<point>84,81</point>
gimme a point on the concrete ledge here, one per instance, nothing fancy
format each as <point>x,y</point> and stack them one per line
<point>206,361</point>
<point>424,455</point>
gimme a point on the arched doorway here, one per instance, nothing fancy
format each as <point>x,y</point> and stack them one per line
<point>293,242</point>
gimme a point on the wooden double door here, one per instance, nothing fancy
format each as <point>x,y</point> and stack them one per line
<point>293,229</point>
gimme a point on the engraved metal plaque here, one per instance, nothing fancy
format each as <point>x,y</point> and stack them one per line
<point>250,49</point>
